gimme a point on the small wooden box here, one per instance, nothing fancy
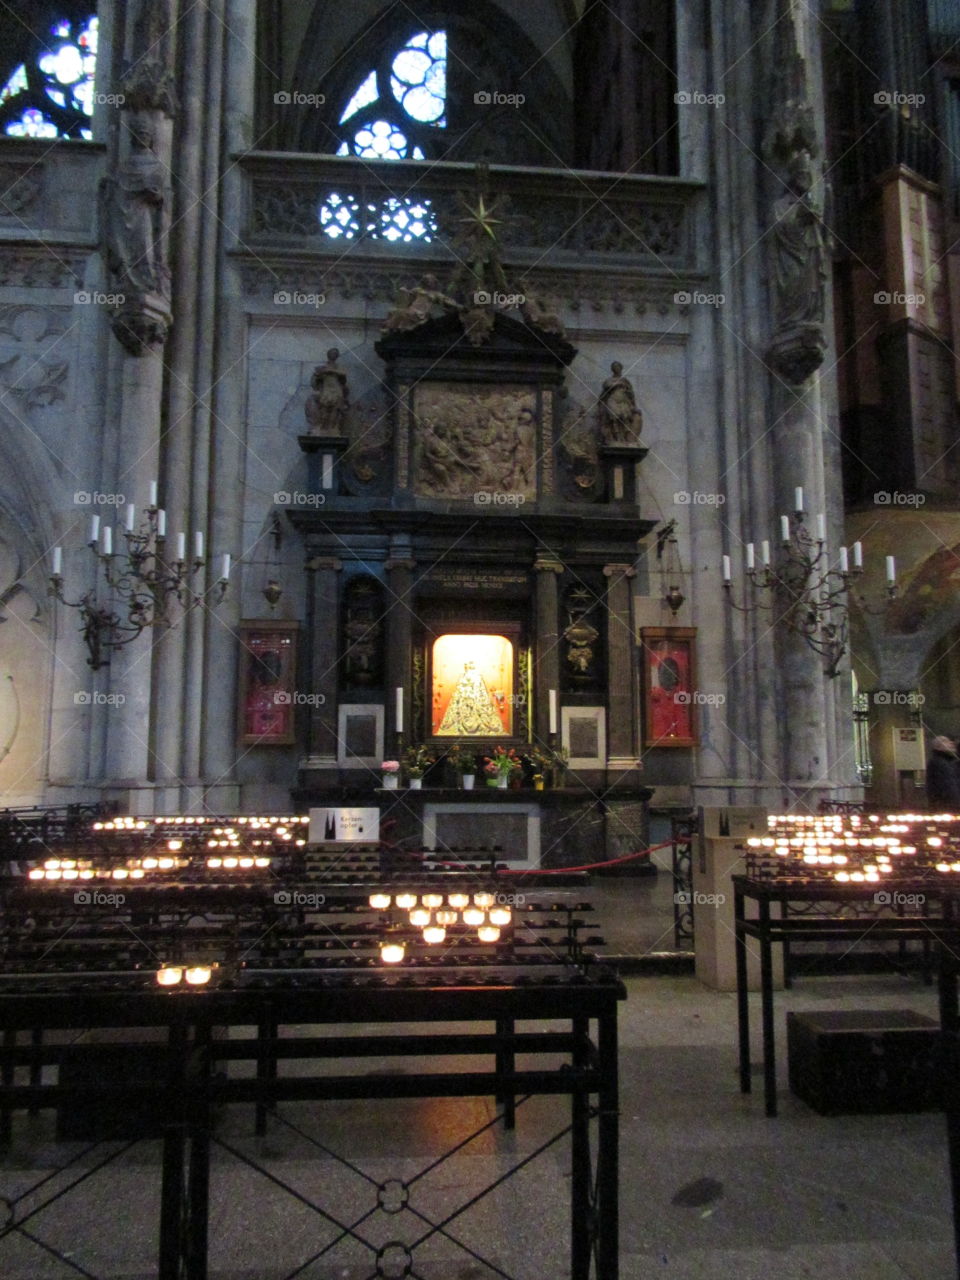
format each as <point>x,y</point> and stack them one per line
<point>873,1061</point>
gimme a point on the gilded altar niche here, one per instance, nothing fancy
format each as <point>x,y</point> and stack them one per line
<point>470,440</point>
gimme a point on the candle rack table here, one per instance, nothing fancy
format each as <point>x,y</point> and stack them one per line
<point>924,921</point>
<point>290,943</point>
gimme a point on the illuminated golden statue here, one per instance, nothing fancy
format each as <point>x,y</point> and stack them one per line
<point>472,709</point>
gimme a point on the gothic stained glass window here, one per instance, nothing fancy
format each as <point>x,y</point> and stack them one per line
<point>50,94</point>
<point>395,108</point>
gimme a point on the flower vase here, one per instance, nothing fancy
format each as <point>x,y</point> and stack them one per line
<point>468,781</point>
<point>416,784</point>
<point>503,781</point>
<point>538,784</point>
<point>493,782</point>
<point>390,781</point>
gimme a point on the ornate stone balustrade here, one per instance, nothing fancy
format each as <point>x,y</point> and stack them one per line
<point>340,207</point>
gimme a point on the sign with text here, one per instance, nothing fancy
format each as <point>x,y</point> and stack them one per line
<point>734,822</point>
<point>457,579</point>
<point>344,825</point>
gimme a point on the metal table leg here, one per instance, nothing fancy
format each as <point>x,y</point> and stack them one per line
<point>743,1007</point>
<point>608,1151</point>
<point>766,996</point>
<point>506,1060</point>
<point>580,1215</point>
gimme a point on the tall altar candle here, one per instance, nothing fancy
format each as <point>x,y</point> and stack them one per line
<point>399,715</point>
<point>553,711</point>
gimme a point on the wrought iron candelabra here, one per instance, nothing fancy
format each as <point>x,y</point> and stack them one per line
<point>804,589</point>
<point>136,587</point>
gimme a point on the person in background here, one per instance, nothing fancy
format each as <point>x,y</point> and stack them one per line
<point>943,776</point>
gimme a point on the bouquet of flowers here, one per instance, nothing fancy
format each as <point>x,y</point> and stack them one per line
<point>502,762</point>
<point>390,766</point>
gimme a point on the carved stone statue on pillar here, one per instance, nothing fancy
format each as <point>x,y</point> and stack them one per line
<point>136,221</point>
<point>620,421</point>
<point>799,241</point>
<point>328,403</point>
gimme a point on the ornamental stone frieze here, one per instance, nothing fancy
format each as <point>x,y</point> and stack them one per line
<point>41,268</point>
<point>21,186</point>
<point>31,348</point>
<point>594,293</point>
<point>48,189</point>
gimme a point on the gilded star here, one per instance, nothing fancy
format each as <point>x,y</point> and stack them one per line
<point>482,216</point>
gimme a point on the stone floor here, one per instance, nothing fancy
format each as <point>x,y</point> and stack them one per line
<point>710,1188</point>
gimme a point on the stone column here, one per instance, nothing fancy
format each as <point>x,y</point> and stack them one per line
<point>136,212</point>
<point>400,567</point>
<point>798,270</point>
<point>229,337</point>
<point>623,717</point>
<point>181,702</point>
<point>323,596</point>
<point>546,654</point>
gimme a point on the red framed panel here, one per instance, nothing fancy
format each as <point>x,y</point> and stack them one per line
<point>669,685</point>
<point>268,675</point>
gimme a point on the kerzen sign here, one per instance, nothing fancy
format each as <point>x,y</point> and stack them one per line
<point>344,825</point>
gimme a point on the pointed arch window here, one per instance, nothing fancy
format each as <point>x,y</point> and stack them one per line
<point>394,112</point>
<point>50,94</point>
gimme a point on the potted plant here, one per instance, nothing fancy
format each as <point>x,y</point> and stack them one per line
<point>465,763</point>
<point>492,774</point>
<point>504,762</point>
<point>559,765</point>
<point>417,761</point>
<point>389,774</point>
<point>548,763</point>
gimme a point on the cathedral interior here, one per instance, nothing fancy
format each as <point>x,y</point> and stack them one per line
<point>479,546</point>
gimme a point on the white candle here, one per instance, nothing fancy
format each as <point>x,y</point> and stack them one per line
<point>326,479</point>
<point>94,528</point>
<point>844,562</point>
<point>225,574</point>
<point>107,540</point>
<point>399,715</point>
<point>858,555</point>
<point>798,499</point>
<point>784,529</point>
<point>181,546</point>
<point>821,527</point>
<point>131,516</point>
<point>891,571</point>
<point>751,562</point>
<point>57,561</point>
<point>765,553</point>
<point>153,493</point>
<point>726,568</point>
<point>553,710</point>
<point>161,523</point>
<point>198,545</point>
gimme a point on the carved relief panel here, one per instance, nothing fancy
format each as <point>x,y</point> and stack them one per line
<point>470,439</point>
